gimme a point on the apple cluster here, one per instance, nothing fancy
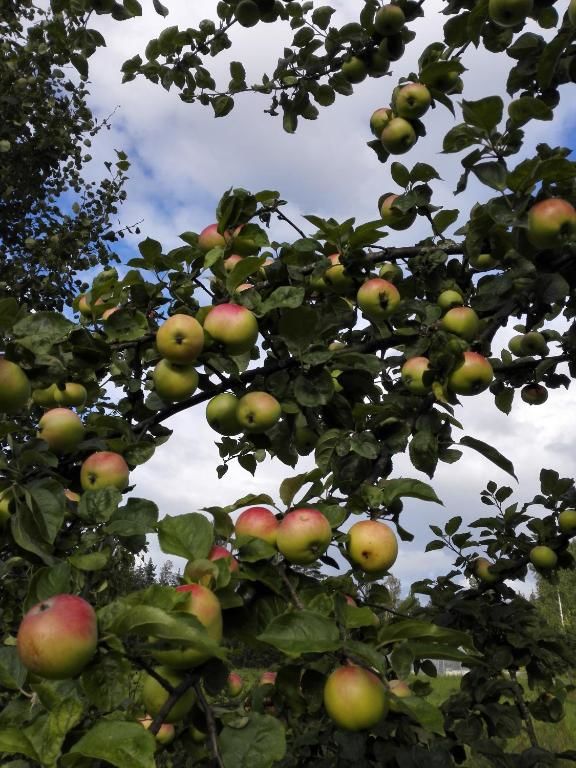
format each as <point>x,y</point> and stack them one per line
<point>395,126</point>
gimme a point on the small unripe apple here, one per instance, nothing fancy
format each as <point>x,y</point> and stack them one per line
<point>394,217</point>
<point>567,521</point>
<point>71,394</point>
<point>45,397</point>
<point>449,299</point>
<point>258,523</point>
<point>543,557</point>
<point>354,69</point>
<point>372,546</point>
<point>379,120</point>
<point>221,414</point>
<point>378,298</point>
<point>305,440</point>
<point>180,339</point>
<point>482,571</point>
<point>412,374</point>
<point>509,13</point>
<point>398,137</point>
<point>355,699</point>
<point>516,346</point>
<point>461,321</point>
<point>210,238</point>
<point>154,695</point>
<point>173,382</point>
<point>472,376</point>
<point>15,389</point>
<point>235,684</point>
<point>534,343</point>
<point>551,222</point>
<point>303,535</point>
<point>400,689</point>
<point>534,394</point>
<point>62,429</point>
<point>389,20</point>
<point>336,277</point>
<point>166,732</point>
<point>258,412</point>
<point>483,262</point>
<point>233,326</point>
<point>103,469</point>
<point>412,101</point>
<point>391,272</point>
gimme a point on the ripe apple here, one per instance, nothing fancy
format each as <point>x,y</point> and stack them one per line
<point>62,429</point>
<point>203,604</point>
<point>483,262</point>
<point>411,101</point>
<point>174,382</point>
<point>166,732</point>
<point>472,376</point>
<point>516,346</point>
<point>534,394</point>
<point>5,513</point>
<point>335,276</point>
<point>90,309</point>
<point>412,373</point>
<point>154,695</point>
<point>103,469</point>
<point>379,120</point>
<point>268,678</point>
<point>509,13</point>
<point>354,69</point>
<point>221,414</point>
<point>15,388</point>
<point>567,521</point>
<point>461,321</point>
<point>372,546</point>
<point>391,272</point>
<point>398,136</point>
<point>58,637</point>
<point>233,326</point>
<point>109,312</point>
<point>482,571</point>
<point>258,523</point>
<point>258,412</point>
<point>389,20</point>
<point>377,298</point>
<point>394,217</point>
<point>355,698</point>
<point>210,238</point>
<point>219,553</point>
<point>231,262</point>
<point>305,440</point>
<point>180,339</point>
<point>551,222</point>
<point>449,299</point>
<point>235,684</point>
<point>303,535</point>
<point>543,557</point>
<point>71,394</point>
<point>534,343</point>
<point>400,689</point>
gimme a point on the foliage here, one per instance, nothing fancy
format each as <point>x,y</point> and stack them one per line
<point>554,598</point>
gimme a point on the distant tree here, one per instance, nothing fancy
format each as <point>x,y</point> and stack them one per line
<point>556,599</point>
<point>168,577</point>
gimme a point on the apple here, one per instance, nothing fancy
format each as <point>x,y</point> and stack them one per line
<point>109,312</point>
<point>5,513</point>
<point>378,298</point>
<point>392,47</point>
<point>543,557</point>
<point>394,217</point>
<point>71,394</point>
<point>400,689</point>
<point>516,346</point>
<point>389,20</point>
<point>45,398</point>
<point>258,523</point>
<point>412,373</point>
<point>509,13</point>
<point>103,469</point>
<point>482,571</point>
<point>154,695</point>
<point>379,120</point>
<point>372,546</point>
<point>233,326</point>
<point>398,136</point>
<point>354,69</point>
<point>221,414</point>
<point>305,440</point>
<point>534,394</point>
<point>350,601</point>
<point>567,521</point>
<point>89,309</point>
<point>247,13</point>
<point>268,678</point>
<point>534,343</point>
<point>551,222</point>
<point>235,684</point>
<point>166,732</point>
<point>174,382</point>
<point>483,262</point>
<point>461,321</point>
<point>210,238</point>
<point>62,429</point>
<point>391,272</point>
<point>303,535</point>
<point>58,637</point>
<point>355,698</point>
<point>180,339</point>
<point>203,604</point>
<point>335,276</point>
<point>219,553</point>
<point>258,412</point>
<point>15,389</point>
<point>411,101</point>
<point>231,262</point>
<point>243,287</point>
<point>449,299</point>
<point>472,376</point>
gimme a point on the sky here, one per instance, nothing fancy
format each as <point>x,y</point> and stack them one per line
<point>183,160</point>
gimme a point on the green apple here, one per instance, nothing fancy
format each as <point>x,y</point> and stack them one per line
<point>378,63</point>
<point>567,521</point>
<point>391,272</point>
<point>247,13</point>
<point>509,13</point>
<point>103,469</point>
<point>173,382</point>
<point>305,440</point>
<point>355,698</point>
<point>58,637</point>
<point>154,695</point>
<point>336,277</point>
<point>235,684</point>
<point>372,546</point>
<point>411,101</point>
<point>551,223</point>
<point>534,394</point>
<point>166,733</point>
<point>303,535</point>
<point>472,376</point>
<point>393,217</point>
<point>534,343</point>
<point>389,20</point>
<point>221,414</point>
<point>45,398</point>
<point>233,326</point>
<point>461,321</point>
<point>412,374</point>
<point>378,298</point>
<point>398,136</point>
<point>449,299</point>
<point>483,262</point>
<point>516,345</point>
<point>482,571</point>
<point>543,557</point>
<point>400,689</point>
<point>354,69</point>
<point>180,339</point>
<point>62,429</point>
<point>379,120</point>
<point>210,238</point>
<point>392,47</point>
<point>258,412</point>
<point>257,523</point>
<point>88,308</point>
<point>15,389</point>
<point>5,514</point>
<point>205,606</point>
<point>71,394</point>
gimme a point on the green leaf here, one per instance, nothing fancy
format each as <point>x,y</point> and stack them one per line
<point>423,452</point>
<point>290,486</point>
<point>368,654</point>
<point>443,219</point>
<point>259,743</point>
<point>126,324</point>
<point>120,743</point>
<point>159,8</point>
<point>222,105</point>
<point>427,714</point>
<point>93,561</point>
<point>492,174</point>
<point>12,671</point>
<point>300,632</point>
<point>47,733</point>
<point>484,113</point>
<point>314,389</point>
<point>99,506</point>
<point>48,582</point>
<point>490,453</point>
<point>400,174</point>
<point>136,517</point>
<point>527,108</point>
<point>14,741</point>
<point>452,525</point>
<point>409,629</point>
<point>8,313</point>
<point>460,137</point>
<point>190,536</point>
<point>416,489</point>
<point>285,296</point>
<point>423,172</point>
<point>107,683</point>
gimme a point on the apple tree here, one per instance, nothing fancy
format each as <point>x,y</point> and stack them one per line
<point>333,344</point>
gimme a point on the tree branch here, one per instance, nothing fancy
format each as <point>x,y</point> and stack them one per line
<point>211,723</point>
<point>293,594</point>
<point>519,697</point>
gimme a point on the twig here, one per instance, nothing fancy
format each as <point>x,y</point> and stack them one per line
<point>175,694</point>
<point>518,695</point>
<point>293,594</point>
<point>211,723</point>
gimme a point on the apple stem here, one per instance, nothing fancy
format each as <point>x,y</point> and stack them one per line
<point>211,723</point>
<point>293,594</point>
